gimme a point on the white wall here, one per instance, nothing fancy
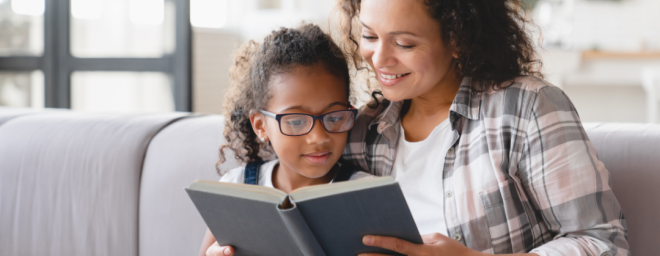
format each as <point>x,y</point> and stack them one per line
<point>213,48</point>
<point>629,25</point>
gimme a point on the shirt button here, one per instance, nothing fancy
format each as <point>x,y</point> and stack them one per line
<point>449,193</point>
<point>458,237</point>
<point>451,151</point>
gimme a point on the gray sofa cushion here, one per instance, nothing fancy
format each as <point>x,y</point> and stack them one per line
<point>631,152</point>
<point>70,182</point>
<point>180,154</point>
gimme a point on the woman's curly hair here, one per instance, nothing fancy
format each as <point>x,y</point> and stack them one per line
<point>489,37</point>
<point>250,75</point>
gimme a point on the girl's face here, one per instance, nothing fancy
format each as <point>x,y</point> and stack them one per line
<point>309,90</point>
<point>403,45</point>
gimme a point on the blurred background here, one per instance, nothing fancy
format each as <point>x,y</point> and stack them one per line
<point>174,55</point>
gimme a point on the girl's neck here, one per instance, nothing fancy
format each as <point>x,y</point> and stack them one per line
<point>288,180</point>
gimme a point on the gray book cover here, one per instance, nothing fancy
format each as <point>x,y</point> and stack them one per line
<point>318,220</point>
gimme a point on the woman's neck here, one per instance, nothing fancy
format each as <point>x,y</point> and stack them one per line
<point>430,109</point>
<point>288,180</point>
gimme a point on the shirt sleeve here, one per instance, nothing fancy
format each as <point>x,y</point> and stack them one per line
<point>359,175</point>
<point>233,176</point>
<point>567,184</point>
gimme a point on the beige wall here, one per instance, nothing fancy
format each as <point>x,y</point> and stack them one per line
<point>212,58</point>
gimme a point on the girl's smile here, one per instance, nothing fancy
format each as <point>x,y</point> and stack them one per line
<point>317,157</point>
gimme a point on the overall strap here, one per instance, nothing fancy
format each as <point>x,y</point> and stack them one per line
<point>344,173</point>
<point>252,172</point>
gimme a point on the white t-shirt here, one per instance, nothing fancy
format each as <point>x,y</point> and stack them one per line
<point>237,175</point>
<point>418,168</point>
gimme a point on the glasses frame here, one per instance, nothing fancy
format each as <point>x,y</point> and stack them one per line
<point>278,117</point>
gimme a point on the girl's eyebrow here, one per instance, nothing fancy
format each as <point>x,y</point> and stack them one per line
<point>304,108</point>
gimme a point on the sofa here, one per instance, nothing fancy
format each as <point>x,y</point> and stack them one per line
<point>74,183</point>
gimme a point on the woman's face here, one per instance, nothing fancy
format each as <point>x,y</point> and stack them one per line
<point>403,45</point>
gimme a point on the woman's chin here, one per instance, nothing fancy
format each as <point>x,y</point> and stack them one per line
<point>393,95</point>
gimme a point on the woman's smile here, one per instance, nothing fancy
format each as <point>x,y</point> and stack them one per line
<point>391,79</point>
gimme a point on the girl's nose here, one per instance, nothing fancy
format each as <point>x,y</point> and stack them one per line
<point>318,134</point>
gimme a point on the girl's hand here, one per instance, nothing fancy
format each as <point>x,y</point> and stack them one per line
<point>217,250</point>
<point>434,244</point>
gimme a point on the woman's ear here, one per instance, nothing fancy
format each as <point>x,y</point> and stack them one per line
<point>258,122</point>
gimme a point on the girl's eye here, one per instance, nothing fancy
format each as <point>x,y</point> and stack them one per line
<point>334,119</point>
<point>296,122</point>
<point>370,38</point>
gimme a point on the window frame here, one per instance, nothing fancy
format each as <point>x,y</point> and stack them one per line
<point>57,63</point>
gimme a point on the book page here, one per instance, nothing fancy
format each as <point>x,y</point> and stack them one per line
<point>312,192</point>
<point>259,193</point>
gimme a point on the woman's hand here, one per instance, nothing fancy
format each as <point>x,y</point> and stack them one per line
<point>217,250</point>
<point>434,244</point>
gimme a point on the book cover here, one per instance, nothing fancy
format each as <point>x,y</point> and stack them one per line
<point>326,219</point>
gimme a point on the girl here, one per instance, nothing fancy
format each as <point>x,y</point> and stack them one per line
<point>289,97</point>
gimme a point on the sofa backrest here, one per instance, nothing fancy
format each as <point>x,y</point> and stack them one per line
<point>70,182</point>
<point>183,152</point>
<point>631,152</point>
<point>112,184</point>
<point>7,113</point>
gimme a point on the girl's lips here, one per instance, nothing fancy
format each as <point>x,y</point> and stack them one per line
<point>317,158</point>
<point>390,82</point>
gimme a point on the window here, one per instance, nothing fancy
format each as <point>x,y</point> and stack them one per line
<point>70,48</point>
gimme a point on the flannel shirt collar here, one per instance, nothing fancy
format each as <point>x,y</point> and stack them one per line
<point>465,103</point>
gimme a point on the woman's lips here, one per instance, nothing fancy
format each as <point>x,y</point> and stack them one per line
<point>317,157</point>
<point>390,79</point>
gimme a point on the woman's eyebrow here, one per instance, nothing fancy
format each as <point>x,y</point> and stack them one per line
<point>403,33</point>
<point>393,32</point>
<point>365,25</point>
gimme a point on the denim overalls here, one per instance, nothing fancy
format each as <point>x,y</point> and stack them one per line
<point>252,172</point>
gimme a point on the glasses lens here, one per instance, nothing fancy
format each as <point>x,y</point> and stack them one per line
<point>295,124</point>
<point>340,121</point>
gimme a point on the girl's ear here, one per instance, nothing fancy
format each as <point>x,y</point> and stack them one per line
<point>258,122</point>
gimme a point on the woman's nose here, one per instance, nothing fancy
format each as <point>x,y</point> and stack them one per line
<point>318,134</point>
<point>383,57</point>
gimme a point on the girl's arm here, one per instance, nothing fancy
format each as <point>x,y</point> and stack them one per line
<point>211,248</point>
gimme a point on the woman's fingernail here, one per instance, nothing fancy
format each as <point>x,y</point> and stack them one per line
<point>227,252</point>
<point>368,240</point>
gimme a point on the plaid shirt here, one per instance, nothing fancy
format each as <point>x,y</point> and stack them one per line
<point>521,176</point>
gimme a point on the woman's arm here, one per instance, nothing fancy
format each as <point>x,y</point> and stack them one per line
<point>567,184</point>
<point>434,244</point>
<point>211,248</point>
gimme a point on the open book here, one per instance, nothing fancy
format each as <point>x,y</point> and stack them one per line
<point>326,219</point>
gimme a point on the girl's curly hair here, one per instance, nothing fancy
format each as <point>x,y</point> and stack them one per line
<point>255,64</point>
<point>488,35</point>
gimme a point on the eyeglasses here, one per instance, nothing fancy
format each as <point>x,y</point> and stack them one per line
<point>297,124</point>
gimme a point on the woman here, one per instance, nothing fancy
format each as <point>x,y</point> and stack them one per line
<point>491,158</point>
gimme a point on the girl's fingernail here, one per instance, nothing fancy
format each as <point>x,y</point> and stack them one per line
<point>368,240</point>
<point>227,252</point>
